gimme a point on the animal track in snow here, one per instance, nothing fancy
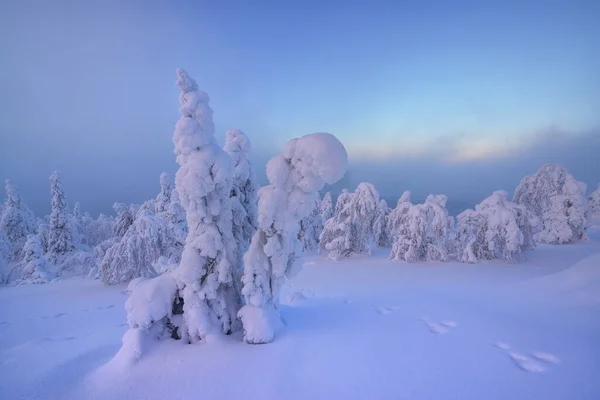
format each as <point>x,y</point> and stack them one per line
<point>59,314</point>
<point>386,310</point>
<point>545,357</point>
<point>528,364</point>
<point>439,329</point>
<point>525,363</point>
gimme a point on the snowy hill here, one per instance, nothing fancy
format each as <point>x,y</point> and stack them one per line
<point>356,329</point>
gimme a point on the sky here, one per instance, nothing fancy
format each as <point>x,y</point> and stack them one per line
<point>453,97</point>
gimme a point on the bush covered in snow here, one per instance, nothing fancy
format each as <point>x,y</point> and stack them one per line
<point>33,268</point>
<point>295,177</point>
<point>559,200</point>
<point>17,221</point>
<point>421,231</point>
<point>496,229</point>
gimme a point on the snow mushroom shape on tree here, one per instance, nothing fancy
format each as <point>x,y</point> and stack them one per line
<point>295,177</point>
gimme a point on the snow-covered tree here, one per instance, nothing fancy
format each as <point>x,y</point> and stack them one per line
<point>33,267</point>
<point>60,234</point>
<point>352,228</point>
<point>243,197</point>
<point>496,229</point>
<point>340,234</point>
<point>594,201</point>
<point>6,253</point>
<point>553,195</point>
<point>164,197</point>
<point>381,231</point>
<point>17,220</point>
<point>124,218</point>
<point>421,230</point>
<point>295,177</point>
<point>326,207</point>
<point>133,255</point>
<point>97,230</point>
<point>311,227</point>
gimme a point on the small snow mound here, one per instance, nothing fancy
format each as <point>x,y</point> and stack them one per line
<point>297,298</point>
<point>132,348</point>
<point>260,323</point>
<point>580,282</point>
<point>545,357</point>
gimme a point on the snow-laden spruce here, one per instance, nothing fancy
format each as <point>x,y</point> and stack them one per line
<point>124,218</point>
<point>204,183</point>
<point>295,177</point>
<point>60,234</point>
<point>594,201</point>
<point>6,254</point>
<point>33,268</point>
<point>339,237</point>
<point>559,200</point>
<point>352,228</point>
<point>163,199</point>
<point>496,229</point>
<point>421,231</point>
<point>311,227</point>
<point>17,221</point>
<point>244,205</point>
<point>326,207</point>
<point>382,233</point>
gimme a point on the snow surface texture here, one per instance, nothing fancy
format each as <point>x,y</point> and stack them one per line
<point>295,177</point>
<point>352,328</point>
<point>554,196</point>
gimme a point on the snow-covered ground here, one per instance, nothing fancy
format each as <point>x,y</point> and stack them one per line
<point>356,329</point>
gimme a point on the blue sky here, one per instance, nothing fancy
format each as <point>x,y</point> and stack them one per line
<point>426,95</point>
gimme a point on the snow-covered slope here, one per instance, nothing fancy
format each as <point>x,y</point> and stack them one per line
<point>362,328</point>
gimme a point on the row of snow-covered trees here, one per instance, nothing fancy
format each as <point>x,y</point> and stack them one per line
<point>550,207</point>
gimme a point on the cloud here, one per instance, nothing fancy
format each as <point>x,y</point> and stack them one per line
<point>469,171</point>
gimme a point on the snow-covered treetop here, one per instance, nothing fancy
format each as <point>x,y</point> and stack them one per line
<point>238,146</point>
<point>405,198</point>
<point>195,129</point>
<point>13,199</point>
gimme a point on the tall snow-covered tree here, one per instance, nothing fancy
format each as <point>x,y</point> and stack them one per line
<point>17,220</point>
<point>124,218</point>
<point>421,230</point>
<point>326,207</point>
<point>164,196</point>
<point>33,267</point>
<point>366,207</point>
<point>243,196</point>
<point>311,227</point>
<point>295,177</point>
<point>204,182</point>
<point>558,199</point>
<point>60,234</point>
<point>339,237</point>
<point>496,229</point>
<point>6,253</point>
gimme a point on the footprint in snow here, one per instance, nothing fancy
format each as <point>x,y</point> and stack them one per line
<point>60,314</point>
<point>545,357</point>
<point>3,322</point>
<point>386,310</point>
<point>525,363</point>
<point>111,306</point>
<point>439,329</point>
